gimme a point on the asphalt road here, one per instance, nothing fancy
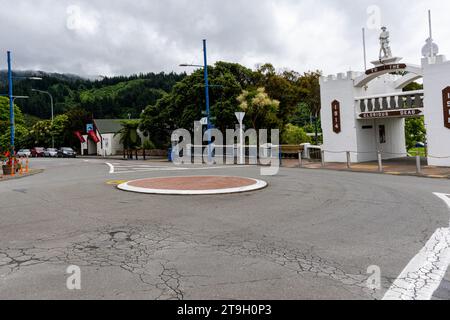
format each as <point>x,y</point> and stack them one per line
<point>311,234</point>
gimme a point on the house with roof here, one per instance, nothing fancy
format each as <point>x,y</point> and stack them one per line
<point>102,138</point>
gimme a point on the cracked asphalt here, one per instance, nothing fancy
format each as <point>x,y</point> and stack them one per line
<point>311,234</point>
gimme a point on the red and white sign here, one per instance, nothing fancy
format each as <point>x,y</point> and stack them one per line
<point>336,112</point>
<point>446,101</point>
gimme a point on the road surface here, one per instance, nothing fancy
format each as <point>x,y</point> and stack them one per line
<point>312,234</point>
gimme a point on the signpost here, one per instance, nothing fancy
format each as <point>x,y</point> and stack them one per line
<point>89,127</point>
<point>240,117</point>
<point>446,102</point>
<point>336,111</point>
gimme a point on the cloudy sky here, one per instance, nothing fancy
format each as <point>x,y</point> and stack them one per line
<point>112,37</point>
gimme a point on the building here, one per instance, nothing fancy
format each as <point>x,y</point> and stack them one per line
<point>102,138</point>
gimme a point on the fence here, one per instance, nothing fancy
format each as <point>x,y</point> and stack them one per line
<point>252,154</point>
<point>379,155</point>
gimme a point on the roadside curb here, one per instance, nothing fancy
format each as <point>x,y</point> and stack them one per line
<point>16,177</point>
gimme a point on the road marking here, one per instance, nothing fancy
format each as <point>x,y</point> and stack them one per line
<point>115,182</point>
<point>123,168</point>
<point>444,197</point>
<point>111,167</point>
<point>424,273</point>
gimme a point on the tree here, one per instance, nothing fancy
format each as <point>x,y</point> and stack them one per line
<point>260,109</point>
<point>129,137</point>
<point>42,132</point>
<point>21,138</point>
<point>4,115</point>
<point>21,132</point>
<point>294,135</point>
<point>415,131</point>
<point>186,102</point>
<point>281,87</point>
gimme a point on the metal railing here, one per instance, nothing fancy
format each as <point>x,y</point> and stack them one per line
<point>380,158</point>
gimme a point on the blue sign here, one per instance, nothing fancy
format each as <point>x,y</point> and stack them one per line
<point>89,127</point>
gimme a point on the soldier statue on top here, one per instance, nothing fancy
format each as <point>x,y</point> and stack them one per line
<point>385,50</point>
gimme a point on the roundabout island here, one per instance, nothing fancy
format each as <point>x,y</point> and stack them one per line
<point>193,185</point>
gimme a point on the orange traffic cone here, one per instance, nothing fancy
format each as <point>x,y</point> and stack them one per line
<point>27,165</point>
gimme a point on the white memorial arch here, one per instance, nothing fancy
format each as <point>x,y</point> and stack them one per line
<point>364,113</point>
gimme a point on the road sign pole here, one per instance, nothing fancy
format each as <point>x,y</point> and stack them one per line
<point>240,117</point>
<point>208,126</point>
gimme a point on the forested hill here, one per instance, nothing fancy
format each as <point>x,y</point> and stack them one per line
<point>113,97</point>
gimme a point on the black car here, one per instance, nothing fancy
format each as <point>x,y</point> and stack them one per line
<point>66,153</point>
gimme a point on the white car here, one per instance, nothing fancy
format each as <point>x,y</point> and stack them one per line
<point>24,153</point>
<point>51,152</point>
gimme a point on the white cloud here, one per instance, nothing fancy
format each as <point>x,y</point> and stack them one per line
<point>123,37</point>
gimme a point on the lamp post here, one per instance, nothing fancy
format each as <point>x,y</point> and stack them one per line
<point>12,98</point>
<point>11,103</point>
<point>208,116</point>
<point>51,105</point>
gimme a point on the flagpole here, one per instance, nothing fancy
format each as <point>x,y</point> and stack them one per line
<point>364,48</point>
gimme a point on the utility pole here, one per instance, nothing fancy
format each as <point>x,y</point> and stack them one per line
<point>11,103</point>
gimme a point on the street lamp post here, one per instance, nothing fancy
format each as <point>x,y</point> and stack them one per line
<point>11,102</point>
<point>51,105</point>
<point>12,98</point>
<point>208,115</point>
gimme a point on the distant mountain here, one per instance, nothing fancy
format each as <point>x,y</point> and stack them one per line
<point>29,73</point>
<point>103,97</point>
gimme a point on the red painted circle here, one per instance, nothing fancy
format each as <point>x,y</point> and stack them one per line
<point>193,183</point>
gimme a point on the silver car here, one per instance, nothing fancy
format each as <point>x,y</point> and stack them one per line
<point>24,153</point>
<point>51,152</point>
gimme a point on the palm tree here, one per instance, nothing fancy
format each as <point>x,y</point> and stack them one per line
<point>129,137</point>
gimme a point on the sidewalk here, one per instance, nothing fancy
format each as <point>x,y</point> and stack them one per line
<point>32,172</point>
<point>406,166</point>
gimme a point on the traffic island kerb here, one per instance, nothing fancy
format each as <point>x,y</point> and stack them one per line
<point>193,185</point>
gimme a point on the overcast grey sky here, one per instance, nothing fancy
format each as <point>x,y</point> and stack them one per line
<point>112,37</point>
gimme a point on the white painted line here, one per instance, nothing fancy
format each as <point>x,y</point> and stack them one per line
<point>135,169</point>
<point>111,167</point>
<point>259,184</point>
<point>423,275</point>
<point>444,197</point>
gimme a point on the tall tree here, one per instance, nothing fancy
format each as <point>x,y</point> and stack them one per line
<point>261,110</point>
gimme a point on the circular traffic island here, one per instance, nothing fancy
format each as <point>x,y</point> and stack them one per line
<point>193,185</point>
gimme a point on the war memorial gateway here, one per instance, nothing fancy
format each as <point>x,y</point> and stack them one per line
<point>363,114</point>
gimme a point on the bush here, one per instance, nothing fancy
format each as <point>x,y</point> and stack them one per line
<point>294,135</point>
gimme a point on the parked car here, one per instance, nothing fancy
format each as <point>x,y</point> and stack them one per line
<point>51,152</point>
<point>37,152</point>
<point>420,145</point>
<point>24,153</point>
<point>66,153</point>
